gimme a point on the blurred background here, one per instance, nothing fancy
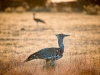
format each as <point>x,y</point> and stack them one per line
<point>88,6</point>
<point>20,36</point>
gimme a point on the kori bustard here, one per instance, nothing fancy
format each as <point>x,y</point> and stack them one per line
<point>50,54</point>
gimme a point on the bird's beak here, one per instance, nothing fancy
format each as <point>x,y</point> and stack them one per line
<point>67,35</point>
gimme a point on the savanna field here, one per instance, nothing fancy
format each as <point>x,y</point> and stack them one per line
<point>19,38</point>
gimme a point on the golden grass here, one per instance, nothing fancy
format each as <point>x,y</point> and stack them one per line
<point>17,44</point>
<point>72,67</point>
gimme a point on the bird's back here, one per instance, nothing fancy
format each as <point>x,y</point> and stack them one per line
<point>48,54</point>
<point>39,20</point>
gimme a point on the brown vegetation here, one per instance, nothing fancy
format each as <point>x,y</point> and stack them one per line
<point>19,38</point>
<point>74,67</point>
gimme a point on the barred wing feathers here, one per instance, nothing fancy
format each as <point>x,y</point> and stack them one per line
<point>47,53</point>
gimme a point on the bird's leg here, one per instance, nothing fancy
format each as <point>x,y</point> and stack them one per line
<point>49,65</point>
<point>47,62</point>
<point>52,63</point>
<point>37,25</point>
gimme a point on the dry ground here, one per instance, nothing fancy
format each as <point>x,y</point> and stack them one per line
<point>19,38</point>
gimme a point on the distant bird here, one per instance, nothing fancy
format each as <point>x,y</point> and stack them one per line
<point>37,20</point>
<point>50,54</point>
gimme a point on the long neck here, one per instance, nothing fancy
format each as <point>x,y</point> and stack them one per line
<point>34,16</point>
<point>61,44</point>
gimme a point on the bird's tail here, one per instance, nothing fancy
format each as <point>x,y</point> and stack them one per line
<point>44,22</point>
<point>31,57</point>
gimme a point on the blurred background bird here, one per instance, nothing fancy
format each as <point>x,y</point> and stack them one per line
<point>38,20</point>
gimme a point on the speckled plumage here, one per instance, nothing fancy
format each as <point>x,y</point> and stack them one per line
<point>47,53</point>
<point>50,54</point>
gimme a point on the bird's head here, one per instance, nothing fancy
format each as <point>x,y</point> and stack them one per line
<point>62,35</point>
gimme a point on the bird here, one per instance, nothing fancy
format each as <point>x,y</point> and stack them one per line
<point>38,20</point>
<point>50,54</point>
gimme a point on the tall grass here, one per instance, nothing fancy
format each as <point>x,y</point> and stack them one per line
<point>72,67</point>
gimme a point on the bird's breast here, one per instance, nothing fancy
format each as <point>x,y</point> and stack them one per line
<point>54,57</point>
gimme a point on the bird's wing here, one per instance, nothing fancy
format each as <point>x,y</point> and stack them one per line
<point>48,53</point>
<point>39,20</point>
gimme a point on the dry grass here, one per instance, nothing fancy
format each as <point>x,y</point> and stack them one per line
<point>73,67</point>
<point>19,38</point>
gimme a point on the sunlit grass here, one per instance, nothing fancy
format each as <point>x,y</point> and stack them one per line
<point>19,39</point>
<point>72,67</point>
